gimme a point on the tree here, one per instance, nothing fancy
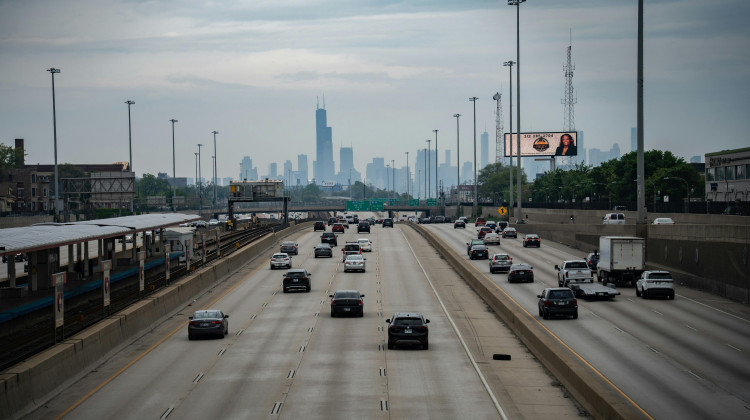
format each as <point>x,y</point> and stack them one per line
<point>150,185</point>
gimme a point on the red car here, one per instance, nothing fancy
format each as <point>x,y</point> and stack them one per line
<point>480,221</point>
<point>483,231</point>
<point>337,227</point>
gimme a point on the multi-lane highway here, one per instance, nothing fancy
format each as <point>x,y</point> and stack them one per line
<point>286,357</point>
<point>688,358</point>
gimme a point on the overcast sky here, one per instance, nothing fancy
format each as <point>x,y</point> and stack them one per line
<point>391,72</point>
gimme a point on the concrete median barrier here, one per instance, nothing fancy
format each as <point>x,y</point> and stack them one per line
<point>32,382</point>
<point>591,389</point>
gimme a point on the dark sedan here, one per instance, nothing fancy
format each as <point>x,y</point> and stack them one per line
<point>557,301</point>
<point>289,247</point>
<point>347,302</point>
<point>319,225</point>
<point>532,240</point>
<point>208,322</point>
<point>479,252</point>
<point>521,272</point>
<point>329,238</point>
<point>323,250</point>
<point>459,224</point>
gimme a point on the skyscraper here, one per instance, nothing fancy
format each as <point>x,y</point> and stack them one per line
<point>323,169</point>
<point>247,171</point>
<point>304,174</point>
<point>484,151</point>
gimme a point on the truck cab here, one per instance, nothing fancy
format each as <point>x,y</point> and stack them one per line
<point>573,271</point>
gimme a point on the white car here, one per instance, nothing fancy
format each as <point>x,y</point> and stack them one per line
<point>365,244</point>
<point>655,283</point>
<point>491,238</point>
<point>354,263</point>
<point>281,260</point>
<point>663,221</point>
<point>213,222</point>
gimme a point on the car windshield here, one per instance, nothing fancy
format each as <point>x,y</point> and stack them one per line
<point>323,246</point>
<point>296,274</point>
<point>577,264</point>
<point>532,236</point>
<point>666,276</point>
<point>279,256</point>
<point>354,257</point>
<point>560,294</point>
<point>501,257</point>
<point>346,295</point>
<point>407,322</point>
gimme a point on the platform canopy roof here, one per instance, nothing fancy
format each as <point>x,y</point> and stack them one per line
<point>49,235</point>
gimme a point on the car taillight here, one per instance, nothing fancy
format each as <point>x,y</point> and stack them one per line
<point>566,274</point>
<point>305,278</point>
<point>360,302</point>
<point>216,322</point>
<point>575,302</point>
<point>546,302</point>
<point>333,302</point>
<point>512,272</point>
<point>193,322</point>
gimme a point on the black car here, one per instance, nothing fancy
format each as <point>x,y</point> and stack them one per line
<point>296,279</point>
<point>532,240</point>
<point>408,327</point>
<point>593,260</point>
<point>323,250</point>
<point>319,225</point>
<point>211,322</point>
<point>439,219</point>
<point>557,301</point>
<point>388,223</point>
<point>329,238</point>
<point>363,227</point>
<point>347,302</point>
<point>459,224</point>
<point>479,252</point>
<point>332,220</point>
<point>289,247</point>
<point>471,244</point>
<point>521,272</point>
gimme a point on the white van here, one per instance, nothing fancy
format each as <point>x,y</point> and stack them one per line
<point>614,219</point>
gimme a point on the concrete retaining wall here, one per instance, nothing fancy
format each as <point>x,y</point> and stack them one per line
<point>589,388</point>
<point>33,381</point>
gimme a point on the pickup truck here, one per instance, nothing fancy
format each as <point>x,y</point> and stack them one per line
<point>577,275</point>
<point>573,271</point>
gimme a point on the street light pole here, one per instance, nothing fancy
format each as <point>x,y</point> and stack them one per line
<point>393,176</point>
<point>687,189</point>
<point>216,173</point>
<point>200,184</point>
<point>387,181</point>
<point>428,191</point>
<point>437,177</point>
<point>510,64</point>
<point>54,133</point>
<point>130,137</point>
<point>517,3</point>
<point>174,181</point>
<point>458,157</point>
<point>474,100</point>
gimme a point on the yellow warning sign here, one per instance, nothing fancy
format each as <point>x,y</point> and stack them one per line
<point>502,211</point>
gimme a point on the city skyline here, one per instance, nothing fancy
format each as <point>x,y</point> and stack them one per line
<point>391,75</point>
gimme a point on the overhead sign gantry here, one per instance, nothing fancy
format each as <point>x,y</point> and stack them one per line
<point>253,191</point>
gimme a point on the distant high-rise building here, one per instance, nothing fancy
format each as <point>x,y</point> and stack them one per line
<point>247,171</point>
<point>597,156</point>
<point>287,176</point>
<point>467,173</point>
<point>323,169</point>
<point>346,159</point>
<point>633,139</point>
<point>272,171</point>
<point>485,150</point>
<point>304,173</point>
<point>448,156</point>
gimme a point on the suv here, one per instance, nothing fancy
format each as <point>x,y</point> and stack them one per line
<point>351,248</point>
<point>329,238</point>
<point>655,283</point>
<point>410,327</point>
<point>500,262</point>
<point>296,279</point>
<point>363,227</point>
<point>557,301</point>
<point>388,223</point>
<point>319,225</point>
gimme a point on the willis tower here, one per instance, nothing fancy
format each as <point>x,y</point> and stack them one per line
<point>324,167</point>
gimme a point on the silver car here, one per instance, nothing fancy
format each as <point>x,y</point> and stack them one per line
<point>500,263</point>
<point>281,260</point>
<point>354,263</point>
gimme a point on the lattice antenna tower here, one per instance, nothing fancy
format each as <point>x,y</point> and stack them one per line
<point>499,128</point>
<point>570,97</point>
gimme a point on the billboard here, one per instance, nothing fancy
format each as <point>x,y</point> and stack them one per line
<point>549,143</point>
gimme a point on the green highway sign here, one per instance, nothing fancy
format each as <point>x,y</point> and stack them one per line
<point>432,202</point>
<point>376,204</point>
<point>358,206</point>
<point>394,202</point>
<point>414,203</point>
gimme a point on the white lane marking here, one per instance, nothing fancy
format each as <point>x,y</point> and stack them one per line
<point>688,326</point>
<point>696,376</point>
<point>458,334</point>
<point>655,311</point>
<point>731,346</point>
<point>715,309</point>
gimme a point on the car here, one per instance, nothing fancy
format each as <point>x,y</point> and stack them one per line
<point>332,220</point>
<point>500,262</point>
<point>365,244</point>
<point>501,225</point>
<point>613,219</point>
<point>439,219</point>
<point>200,224</point>
<point>363,227</point>
<point>337,227</point>
<point>329,238</point>
<point>344,222</point>
<point>491,238</point>
<point>388,223</point>
<point>556,301</point>
<point>289,247</point>
<point>491,225</point>
<point>471,244</point>
<point>296,279</point>
<point>355,262</point>
<point>480,221</point>
<point>210,322</point>
<point>214,222</point>
<point>128,238</point>
<point>459,224</point>
<point>281,260</point>
<point>483,231</point>
<point>319,225</point>
<point>409,328</point>
<point>425,221</point>
<point>323,250</point>
<point>479,252</point>
<point>448,219</point>
<point>510,232</point>
<point>592,260</point>
<point>521,272</point>
<point>532,240</point>
<point>655,283</point>
<point>347,302</point>
<point>348,253</point>
<point>663,221</point>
